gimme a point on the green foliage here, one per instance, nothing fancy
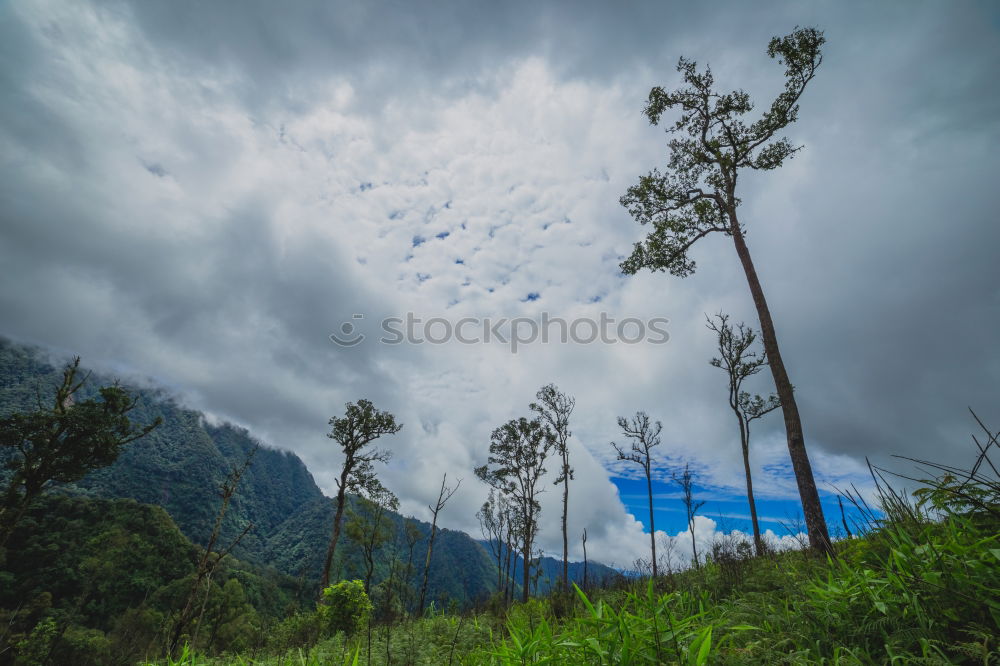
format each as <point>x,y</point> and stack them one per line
<point>361,425</point>
<point>180,465</point>
<point>91,581</point>
<point>344,607</point>
<point>64,442</point>
<point>920,588</point>
<point>110,574</point>
<point>518,450</point>
<point>711,143</point>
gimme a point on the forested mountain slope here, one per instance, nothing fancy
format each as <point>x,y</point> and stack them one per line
<point>181,464</point>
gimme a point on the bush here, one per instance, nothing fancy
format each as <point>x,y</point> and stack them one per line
<point>344,607</point>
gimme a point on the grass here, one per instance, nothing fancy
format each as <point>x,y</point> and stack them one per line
<point>921,585</point>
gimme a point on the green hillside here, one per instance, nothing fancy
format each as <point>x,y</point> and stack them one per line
<point>180,465</point>
<point>108,576</point>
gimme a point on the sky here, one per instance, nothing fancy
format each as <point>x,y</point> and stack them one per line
<point>197,195</point>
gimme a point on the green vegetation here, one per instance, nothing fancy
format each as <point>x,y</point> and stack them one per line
<point>62,443</point>
<point>922,586</point>
<point>199,546</point>
<point>181,465</point>
<point>89,581</point>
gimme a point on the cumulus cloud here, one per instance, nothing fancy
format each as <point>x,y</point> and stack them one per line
<point>201,194</point>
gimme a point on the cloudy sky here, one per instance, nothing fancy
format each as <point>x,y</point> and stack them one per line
<point>199,194</point>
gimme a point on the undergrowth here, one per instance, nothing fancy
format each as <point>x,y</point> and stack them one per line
<point>921,584</point>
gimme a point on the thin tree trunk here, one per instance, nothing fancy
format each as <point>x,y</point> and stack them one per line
<point>564,520</point>
<point>652,526</point>
<point>508,566</point>
<point>525,562</point>
<point>819,538</point>
<point>369,572</point>
<point>758,543</point>
<point>500,586</point>
<point>333,540</point>
<point>585,558</point>
<point>694,544</point>
<point>427,565</point>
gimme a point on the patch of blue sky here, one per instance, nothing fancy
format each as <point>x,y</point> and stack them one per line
<point>728,508</point>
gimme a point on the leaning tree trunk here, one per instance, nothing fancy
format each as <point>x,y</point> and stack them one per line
<point>333,541</point>
<point>564,517</point>
<point>819,538</point>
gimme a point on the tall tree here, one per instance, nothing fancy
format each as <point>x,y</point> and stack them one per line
<point>518,450</point>
<point>64,442</point>
<point>554,409</point>
<point>443,496</point>
<point>644,436</point>
<point>691,506</point>
<point>697,197</point>
<point>361,425</point>
<point>740,362</point>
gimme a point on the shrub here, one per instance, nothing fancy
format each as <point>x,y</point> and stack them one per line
<point>344,607</point>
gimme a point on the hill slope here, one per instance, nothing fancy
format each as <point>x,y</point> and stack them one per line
<point>181,464</point>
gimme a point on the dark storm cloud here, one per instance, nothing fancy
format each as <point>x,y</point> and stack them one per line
<point>410,49</point>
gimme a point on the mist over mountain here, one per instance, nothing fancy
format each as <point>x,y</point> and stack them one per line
<point>181,464</point>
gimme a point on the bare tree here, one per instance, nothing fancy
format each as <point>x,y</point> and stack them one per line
<point>668,546</point>
<point>585,558</point>
<point>691,506</point>
<point>207,564</point>
<point>361,425</point>
<point>696,197</point>
<point>645,436</point>
<point>493,517</point>
<point>555,408</point>
<point>443,496</point>
<point>368,528</point>
<point>740,363</point>
<point>517,454</point>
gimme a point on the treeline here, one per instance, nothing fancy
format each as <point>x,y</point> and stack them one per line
<point>91,581</point>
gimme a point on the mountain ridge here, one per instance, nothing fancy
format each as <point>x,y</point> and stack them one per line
<point>180,465</point>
